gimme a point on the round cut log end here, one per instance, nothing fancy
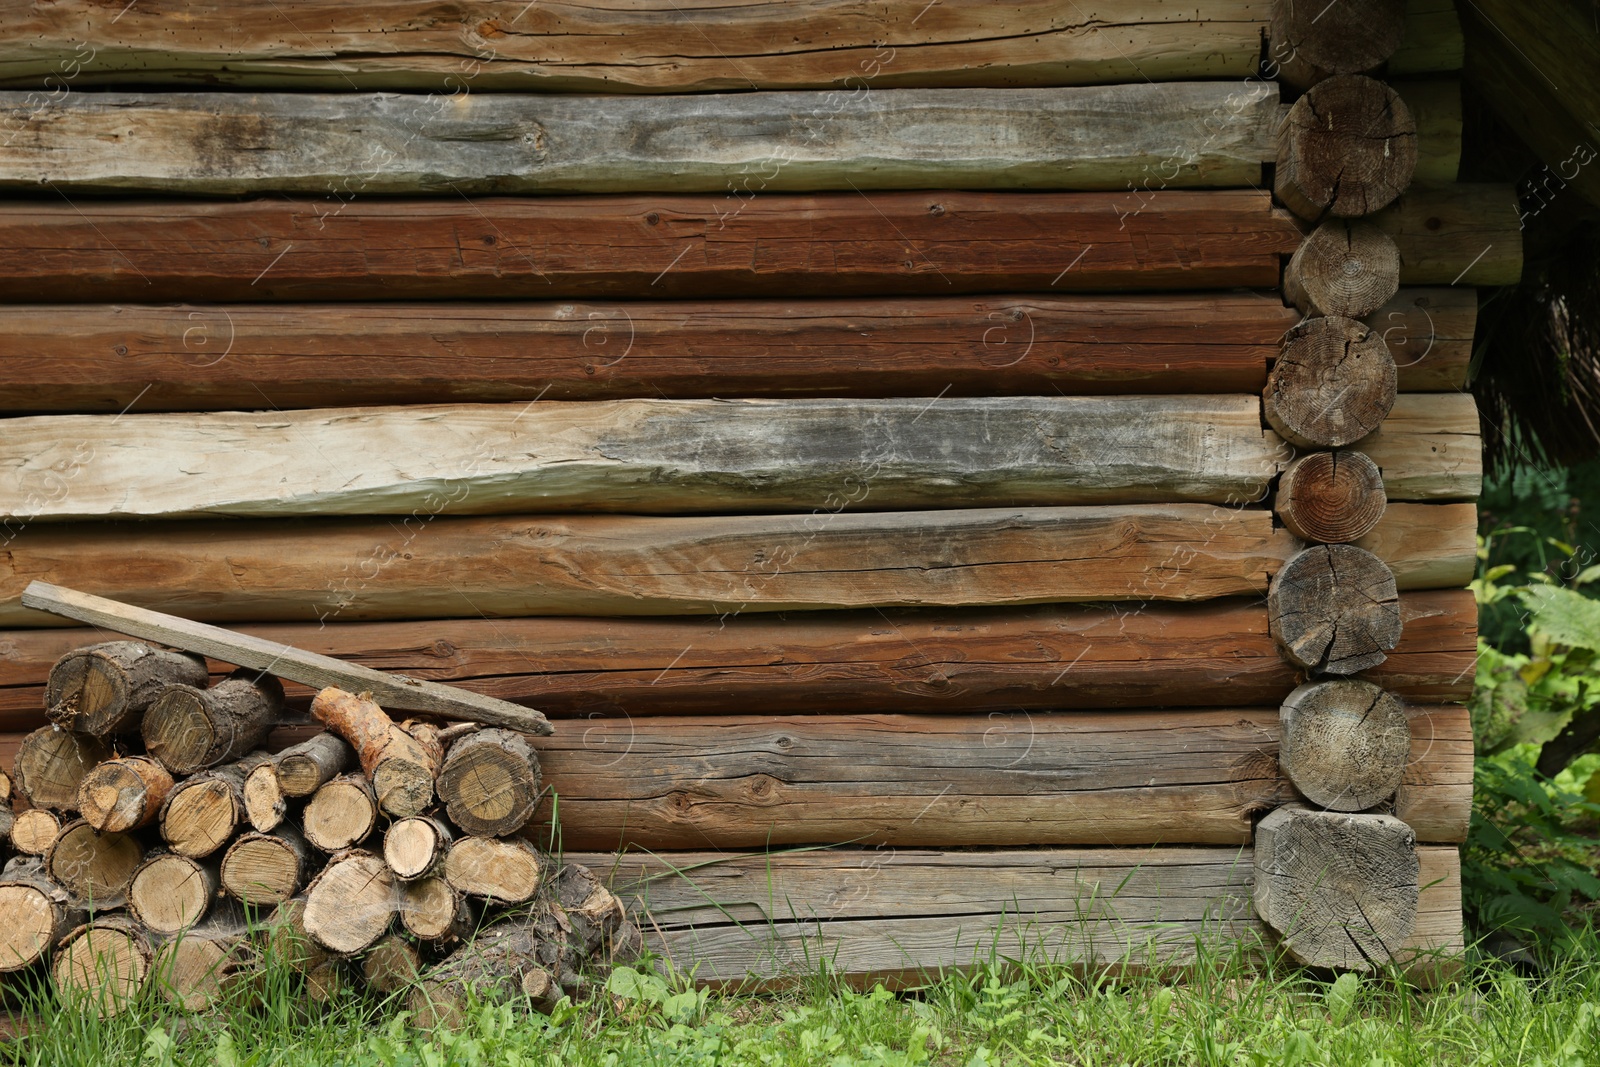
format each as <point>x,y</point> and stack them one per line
<point>29,924</point>
<point>433,911</point>
<point>123,794</point>
<point>1334,609</point>
<point>438,1004</point>
<point>194,972</point>
<point>403,787</point>
<point>34,831</point>
<point>285,937</point>
<point>1333,383</point>
<point>341,814</point>
<point>412,846</point>
<point>102,967</point>
<point>178,730</point>
<point>506,871</point>
<point>391,965</point>
<point>261,869</point>
<point>171,893</point>
<point>1331,497</point>
<point>1347,148</point>
<point>1344,743</point>
<point>201,818</point>
<point>1345,267</point>
<point>51,764</point>
<point>95,868</point>
<point>1312,39</point>
<point>351,904</point>
<point>490,783</point>
<point>264,804</point>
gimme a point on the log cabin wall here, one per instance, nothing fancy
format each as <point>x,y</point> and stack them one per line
<point>1030,456</point>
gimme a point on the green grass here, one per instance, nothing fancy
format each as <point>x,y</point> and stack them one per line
<point>1221,1014</point>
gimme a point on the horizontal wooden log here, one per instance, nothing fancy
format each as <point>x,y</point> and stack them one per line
<point>744,144</point>
<point>1056,657</point>
<point>1429,333</point>
<point>644,457</point>
<point>902,916</point>
<point>649,46</point>
<point>1127,777</point>
<point>1435,106</point>
<point>349,570</point>
<point>1429,448</point>
<point>656,247</point>
<point>1432,43</point>
<point>1465,234</point>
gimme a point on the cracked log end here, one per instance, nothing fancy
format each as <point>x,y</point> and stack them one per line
<point>1333,384</point>
<point>1344,743</point>
<point>1331,497</point>
<point>1334,609</point>
<point>1347,148</point>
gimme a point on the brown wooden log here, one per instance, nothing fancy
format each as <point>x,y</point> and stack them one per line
<point>262,868</point>
<point>102,966</point>
<point>202,812</point>
<point>352,903</point>
<point>660,247</point>
<point>1429,333</point>
<point>996,780</point>
<point>304,768</point>
<point>414,846</point>
<point>1429,448</point>
<point>1342,890</point>
<point>35,914</point>
<point>391,965</point>
<point>341,814</point>
<point>1345,267</point>
<point>1466,234</point>
<point>1433,41</point>
<point>94,868</point>
<point>1332,385</point>
<point>401,764</point>
<point>104,689</point>
<point>123,794</point>
<point>489,783</point>
<point>50,764</point>
<point>596,915</point>
<point>1347,148</point>
<point>1435,106</point>
<point>283,936</point>
<point>189,729</point>
<point>1331,497</point>
<point>200,967</point>
<point>1307,43</point>
<point>264,805</point>
<point>34,831</point>
<point>170,893</point>
<point>501,870</point>
<point>434,911</point>
<point>1333,609</point>
<point>8,819</point>
<point>526,955</point>
<point>1345,743</point>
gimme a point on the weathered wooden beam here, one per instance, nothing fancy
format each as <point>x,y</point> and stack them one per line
<point>1429,448</point>
<point>652,247</point>
<point>745,144</point>
<point>427,567</point>
<point>648,46</point>
<point>1435,106</point>
<point>1120,778</point>
<point>975,659</point>
<point>643,457</point>
<point>1307,43</point>
<point>1429,333</point>
<point>1464,234</point>
<point>1432,43</point>
<point>902,916</point>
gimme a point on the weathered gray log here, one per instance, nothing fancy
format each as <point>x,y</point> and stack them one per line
<point>94,868</point>
<point>50,765</point>
<point>1333,609</point>
<point>1342,890</point>
<point>35,914</point>
<point>1429,448</point>
<point>170,893</point>
<point>304,768</point>
<point>351,903</point>
<point>189,728</point>
<point>263,868</point>
<point>1345,743</point>
<point>490,783</point>
<point>1309,40</point>
<point>1345,267</point>
<point>1332,385</point>
<point>202,812</point>
<point>1347,148</point>
<point>525,955</point>
<point>1331,497</point>
<point>648,456</point>
<point>349,145</point>
<point>124,794</point>
<point>102,966</point>
<point>105,688</point>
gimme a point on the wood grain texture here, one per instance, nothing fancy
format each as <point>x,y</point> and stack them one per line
<point>655,247</point>
<point>903,916</point>
<point>359,145</point>
<point>638,46</point>
<point>1433,43</point>
<point>471,567</point>
<point>1429,448</point>
<point>645,457</point>
<point>1464,234</point>
<point>976,659</point>
<point>1435,106</point>
<point>1429,333</point>
<point>90,358</point>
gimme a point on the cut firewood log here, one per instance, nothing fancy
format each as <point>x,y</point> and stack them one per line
<point>1334,609</point>
<point>283,936</point>
<point>304,768</point>
<point>35,914</point>
<point>528,954</point>
<point>352,903</point>
<point>8,821</point>
<point>203,812</point>
<point>1331,497</point>
<point>1345,267</point>
<point>414,846</point>
<point>103,965</point>
<point>197,968</point>
<point>391,965</point>
<point>402,765</point>
<point>266,868</point>
<point>1332,385</point>
<point>594,912</point>
<point>434,911</point>
<point>5,789</point>
<point>264,804</point>
<point>50,766</point>
<point>189,729</point>
<point>490,783</point>
<point>1345,743</point>
<point>503,870</point>
<point>327,981</point>
<point>104,689</point>
<point>34,831</point>
<point>1348,147</point>
<point>1342,890</point>
<point>95,868</point>
<point>341,814</point>
<point>124,794</point>
<point>170,893</point>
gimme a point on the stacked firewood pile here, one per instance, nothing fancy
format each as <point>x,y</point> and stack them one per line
<point>162,844</point>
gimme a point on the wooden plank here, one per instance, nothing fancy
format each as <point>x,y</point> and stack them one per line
<point>644,457</point>
<point>1429,448</point>
<point>1465,234</point>
<point>1190,776</point>
<point>197,358</point>
<point>1433,42</point>
<point>349,145</point>
<point>469,567</point>
<point>655,247</point>
<point>1429,333</point>
<point>640,46</point>
<point>903,916</point>
<point>308,668</point>
<point>1053,657</point>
